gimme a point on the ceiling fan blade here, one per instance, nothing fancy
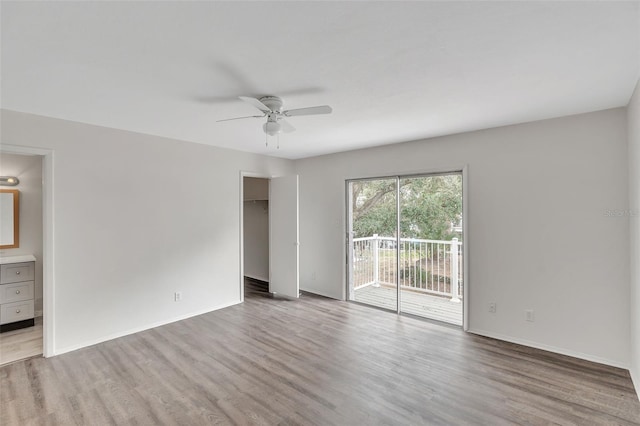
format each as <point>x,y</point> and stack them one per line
<point>240,118</point>
<point>324,109</point>
<point>286,127</point>
<point>256,103</point>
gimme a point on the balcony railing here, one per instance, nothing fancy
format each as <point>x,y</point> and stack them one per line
<point>428,266</point>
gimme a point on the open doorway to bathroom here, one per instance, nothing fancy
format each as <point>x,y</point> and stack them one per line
<point>21,263</point>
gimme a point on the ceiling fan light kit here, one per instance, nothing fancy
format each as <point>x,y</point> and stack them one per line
<point>271,107</point>
<point>272,128</point>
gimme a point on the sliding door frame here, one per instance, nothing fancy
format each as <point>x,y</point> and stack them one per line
<point>398,238</point>
<point>463,171</point>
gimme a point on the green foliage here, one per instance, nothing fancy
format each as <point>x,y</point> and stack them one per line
<point>428,206</point>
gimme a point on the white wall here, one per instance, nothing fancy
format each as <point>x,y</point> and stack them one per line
<point>256,239</point>
<point>137,217</point>
<point>633,121</point>
<point>538,236</point>
<point>28,169</point>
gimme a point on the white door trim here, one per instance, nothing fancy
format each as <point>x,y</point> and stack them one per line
<point>48,264</point>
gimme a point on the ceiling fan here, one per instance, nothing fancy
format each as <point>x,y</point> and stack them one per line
<point>271,107</point>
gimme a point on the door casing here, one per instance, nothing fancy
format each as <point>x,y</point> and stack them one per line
<point>244,174</point>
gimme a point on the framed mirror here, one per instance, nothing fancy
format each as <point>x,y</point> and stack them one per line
<point>9,218</point>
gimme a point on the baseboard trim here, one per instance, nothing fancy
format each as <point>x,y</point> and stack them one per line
<point>561,351</point>
<point>636,382</point>
<point>17,325</point>
<point>139,329</point>
<point>318,293</point>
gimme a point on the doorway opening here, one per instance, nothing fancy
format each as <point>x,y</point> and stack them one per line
<point>269,246</point>
<point>405,245</point>
<point>255,234</point>
<point>22,272</point>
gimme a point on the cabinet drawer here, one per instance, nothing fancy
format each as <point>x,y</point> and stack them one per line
<point>16,311</point>
<point>16,272</point>
<point>16,292</point>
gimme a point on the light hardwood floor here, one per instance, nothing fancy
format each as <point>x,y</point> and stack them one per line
<point>20,344</point>
<point>314,361</point>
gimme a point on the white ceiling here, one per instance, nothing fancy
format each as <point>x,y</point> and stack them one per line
<point>392,71</point>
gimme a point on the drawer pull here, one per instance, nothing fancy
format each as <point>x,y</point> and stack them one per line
<point>17,272</point>
<point>17,291</point>
<point>17,311</point>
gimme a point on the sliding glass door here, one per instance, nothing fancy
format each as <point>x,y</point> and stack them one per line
<point>373,249</point>
<point>405,244</point>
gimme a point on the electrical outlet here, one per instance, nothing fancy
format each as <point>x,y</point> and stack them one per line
<point>529,315</point>
<point>177,296</point>
<point>492,307</point>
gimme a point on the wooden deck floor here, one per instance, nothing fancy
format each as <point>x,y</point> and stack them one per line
<point>423,305</point>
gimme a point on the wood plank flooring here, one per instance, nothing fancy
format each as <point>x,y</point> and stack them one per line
<point>414,303</point>
<point>314,361</point>
<point>20,344</point>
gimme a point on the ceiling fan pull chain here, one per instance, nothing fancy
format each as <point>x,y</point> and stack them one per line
<point>278,141</point>
<point>266,140</point>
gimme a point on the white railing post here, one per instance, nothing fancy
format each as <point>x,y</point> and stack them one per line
<point>454,271</point>
<point>376,247</point>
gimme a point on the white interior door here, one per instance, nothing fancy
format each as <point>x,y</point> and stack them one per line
<point>283,236</point>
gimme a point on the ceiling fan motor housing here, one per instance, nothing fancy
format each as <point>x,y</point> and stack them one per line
<point>273,102</point>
